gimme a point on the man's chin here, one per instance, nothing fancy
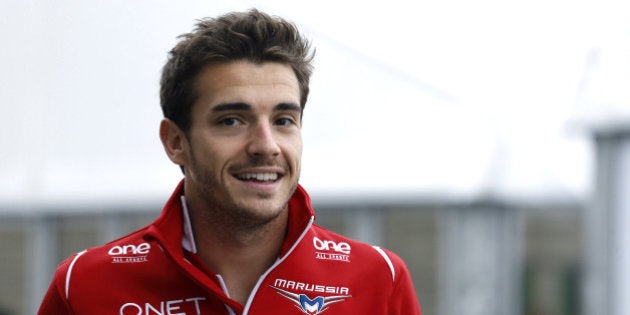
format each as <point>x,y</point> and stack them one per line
<point>265,208</point>
<point>249,217</point>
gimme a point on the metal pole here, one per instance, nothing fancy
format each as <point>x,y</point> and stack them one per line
<point>479,269</point>
<point>41,260</point>
<point>607,226</point>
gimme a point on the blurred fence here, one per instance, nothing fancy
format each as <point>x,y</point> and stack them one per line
<point>468,257</point>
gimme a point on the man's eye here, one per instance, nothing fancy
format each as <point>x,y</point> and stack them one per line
<point>230,121</point>
<point>284,122</point>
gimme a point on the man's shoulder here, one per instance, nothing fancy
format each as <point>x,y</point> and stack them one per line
<point>85,272</point>
<point>95,259</point>
<point>323,234</point>
<point>331,244</point>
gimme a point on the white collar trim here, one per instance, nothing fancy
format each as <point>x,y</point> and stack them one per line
<point>188,239</point>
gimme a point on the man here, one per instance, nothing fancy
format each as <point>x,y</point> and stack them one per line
<point>237,235</point>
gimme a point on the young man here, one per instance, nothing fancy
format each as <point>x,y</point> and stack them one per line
<point>237,235</point>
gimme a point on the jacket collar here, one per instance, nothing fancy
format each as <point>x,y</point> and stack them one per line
<point>173,229</point>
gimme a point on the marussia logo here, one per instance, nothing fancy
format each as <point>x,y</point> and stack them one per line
<point>310,306</point>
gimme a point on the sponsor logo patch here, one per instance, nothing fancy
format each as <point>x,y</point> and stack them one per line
<point>305,302</point>
<point>330,250</point>
<point>122,254</point>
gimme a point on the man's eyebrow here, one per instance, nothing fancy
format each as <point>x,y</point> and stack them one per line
<point>238,106</point>
<point>288,107</point>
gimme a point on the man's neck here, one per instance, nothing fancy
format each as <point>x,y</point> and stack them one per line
<point>240,255</point>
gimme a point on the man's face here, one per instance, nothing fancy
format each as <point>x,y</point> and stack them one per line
<point>245,139</point>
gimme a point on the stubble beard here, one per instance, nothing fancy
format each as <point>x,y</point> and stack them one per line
<point>224,212</point>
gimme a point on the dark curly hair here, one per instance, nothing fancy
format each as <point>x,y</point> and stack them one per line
<point>252,36</point>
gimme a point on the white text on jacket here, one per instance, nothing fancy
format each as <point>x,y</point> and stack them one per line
<point>172,307</point>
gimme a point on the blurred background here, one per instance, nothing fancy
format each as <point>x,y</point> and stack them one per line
<point>486,142</point>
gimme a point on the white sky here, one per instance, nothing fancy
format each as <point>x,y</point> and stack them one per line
<point>435,97</point>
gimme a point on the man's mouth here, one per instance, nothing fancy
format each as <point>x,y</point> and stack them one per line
<point>258,177</point>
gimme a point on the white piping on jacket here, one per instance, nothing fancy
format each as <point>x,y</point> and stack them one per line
<point>74,260</point>
<point>225,290</point>
<point>188,239</point>
<point>387,260</point>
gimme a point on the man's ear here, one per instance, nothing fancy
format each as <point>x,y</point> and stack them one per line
<point>175,142</point>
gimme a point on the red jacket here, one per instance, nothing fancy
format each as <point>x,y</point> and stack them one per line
<point>155,271</point>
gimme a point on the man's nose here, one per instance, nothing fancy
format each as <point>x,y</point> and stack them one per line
<point>262,141</point>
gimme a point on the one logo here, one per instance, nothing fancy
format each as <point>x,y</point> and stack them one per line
<point>129,253</point>
<point>330,250</point>
<point>310,306</point>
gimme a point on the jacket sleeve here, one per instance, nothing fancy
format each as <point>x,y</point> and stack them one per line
<point>403,300</point>
<point>54,301</point>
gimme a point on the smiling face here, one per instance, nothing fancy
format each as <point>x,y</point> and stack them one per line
<point>243,150</point>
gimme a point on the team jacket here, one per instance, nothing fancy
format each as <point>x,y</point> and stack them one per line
<point>154,271</point>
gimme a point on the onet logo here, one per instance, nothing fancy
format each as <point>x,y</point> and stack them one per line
<point>341,247</point>
<point>172,307</point>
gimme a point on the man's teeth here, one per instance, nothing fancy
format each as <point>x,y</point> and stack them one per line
<point>259,176</point>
